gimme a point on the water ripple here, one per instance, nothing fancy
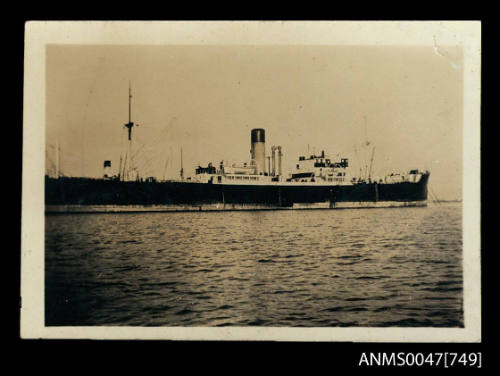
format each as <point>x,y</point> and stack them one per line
<point>387,267</point>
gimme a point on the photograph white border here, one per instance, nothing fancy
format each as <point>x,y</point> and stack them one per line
<point>39,34</point>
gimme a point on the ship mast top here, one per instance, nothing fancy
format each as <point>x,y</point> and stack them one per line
<point>129,167</point>
<point>130,123</point>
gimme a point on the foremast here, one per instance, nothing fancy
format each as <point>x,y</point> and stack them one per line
<point>129,171</point>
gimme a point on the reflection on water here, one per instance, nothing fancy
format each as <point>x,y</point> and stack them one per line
<point>314,268</point>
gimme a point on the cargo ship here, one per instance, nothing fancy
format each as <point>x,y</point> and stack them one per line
<point>318,181</point>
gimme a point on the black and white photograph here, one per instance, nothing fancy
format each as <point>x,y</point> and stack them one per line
<point>252,180</point>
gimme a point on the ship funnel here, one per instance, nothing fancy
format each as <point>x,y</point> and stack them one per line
<point>258,150</point>
<point>273,154</point>
<point>280,154</point>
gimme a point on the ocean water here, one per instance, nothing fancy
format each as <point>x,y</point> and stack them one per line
<point>301,268</point>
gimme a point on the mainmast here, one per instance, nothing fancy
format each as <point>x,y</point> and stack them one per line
<point>371,163</point>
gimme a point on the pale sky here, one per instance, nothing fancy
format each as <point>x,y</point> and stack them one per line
<point>407,101</point>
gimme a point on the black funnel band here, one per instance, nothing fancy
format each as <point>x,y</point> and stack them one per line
<point>258,135</point>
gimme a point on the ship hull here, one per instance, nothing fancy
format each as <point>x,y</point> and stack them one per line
<point>77,194</point>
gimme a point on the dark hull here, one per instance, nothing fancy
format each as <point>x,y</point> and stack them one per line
<point>83,191</point>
